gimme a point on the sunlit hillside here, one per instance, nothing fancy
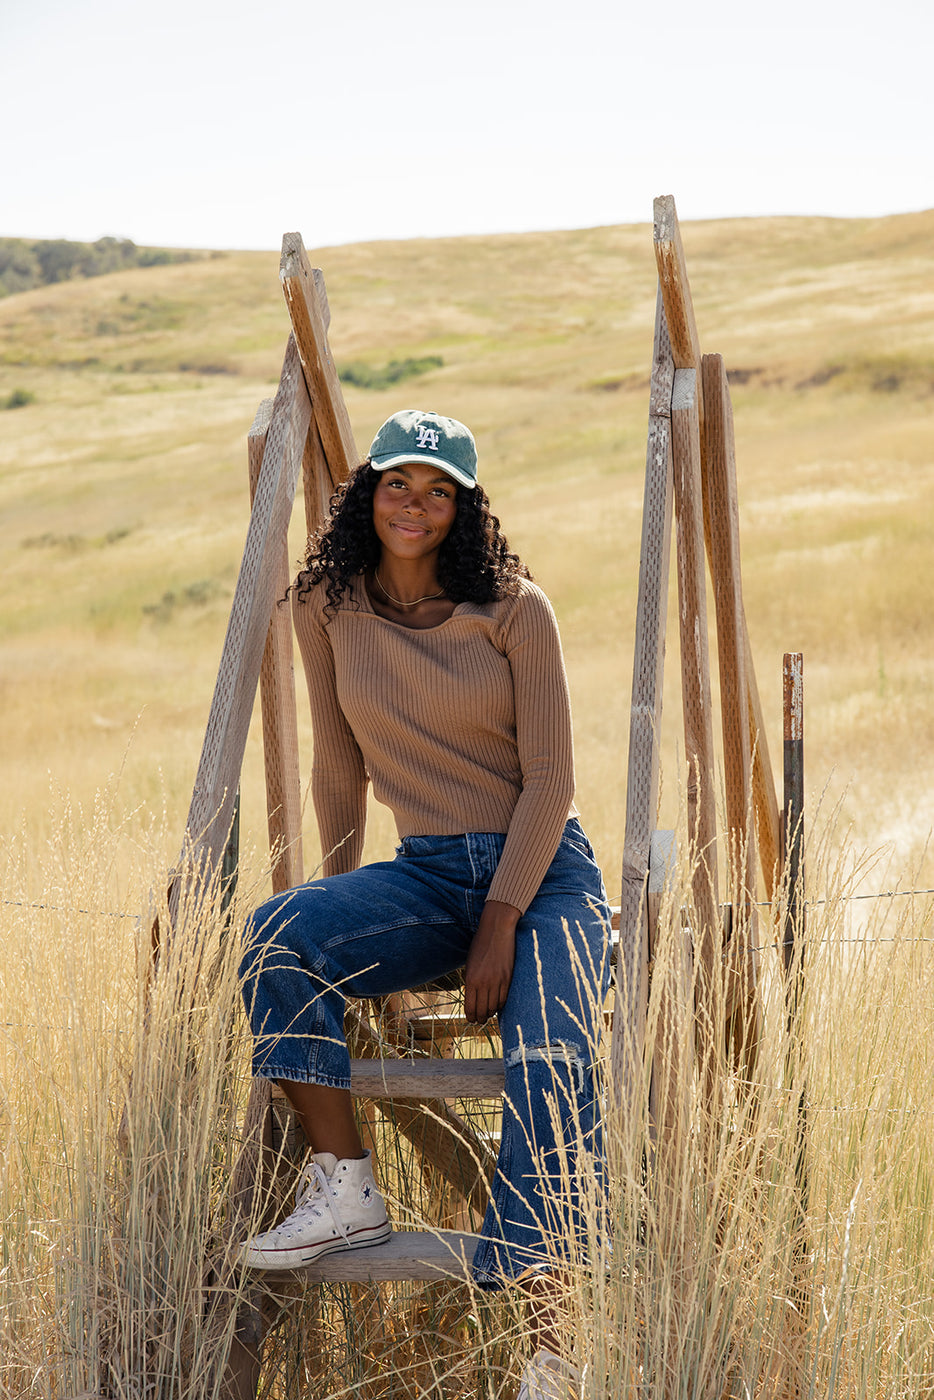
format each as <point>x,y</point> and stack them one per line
<point>795,1254</point>
<point>123,487</point>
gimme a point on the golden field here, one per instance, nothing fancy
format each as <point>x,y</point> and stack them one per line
<point>124,486</point>
<point>123,494</point>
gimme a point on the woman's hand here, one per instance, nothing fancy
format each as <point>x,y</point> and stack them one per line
<point>488,972</point>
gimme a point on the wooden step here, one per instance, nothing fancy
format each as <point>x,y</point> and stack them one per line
<point>408,1254</point>
<point>427,1079</point>
<point>429,1026</point>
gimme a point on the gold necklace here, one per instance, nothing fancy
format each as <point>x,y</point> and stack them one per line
<point>398,601</point>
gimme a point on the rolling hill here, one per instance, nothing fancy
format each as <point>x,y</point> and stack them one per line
<point>123,488</point>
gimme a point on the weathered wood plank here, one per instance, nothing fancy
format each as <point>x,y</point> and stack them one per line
<point>742,997</point>
<point>407,1254</point>
<point>663,366</point>
<point>765,797</point>
<point>318,483</point>
<point>301,288</point>
<point>676,292</point>
<point>324,305</point>
<point>235,689</point>
<point>697,704</point>
<point>429,1078</point>
<point>644,730</point>
<point>726,575</point>
<point>277,701</point>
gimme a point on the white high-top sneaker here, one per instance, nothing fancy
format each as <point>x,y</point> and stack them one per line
<point>549,1377</point>
<point>337,1207</point>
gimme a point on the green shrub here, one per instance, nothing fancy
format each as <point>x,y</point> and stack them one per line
<point>19,398</point>
<point>366,376</point>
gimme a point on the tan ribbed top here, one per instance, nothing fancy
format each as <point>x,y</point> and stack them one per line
<point>461,727</point>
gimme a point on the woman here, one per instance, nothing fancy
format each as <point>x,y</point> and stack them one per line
<point>434,671</point>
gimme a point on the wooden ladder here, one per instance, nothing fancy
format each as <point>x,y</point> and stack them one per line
<point>690,467</point>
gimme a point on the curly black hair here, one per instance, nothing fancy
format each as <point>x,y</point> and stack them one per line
<point>475,563</point>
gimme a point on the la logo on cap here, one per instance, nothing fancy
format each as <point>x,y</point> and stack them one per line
<point>427,437</point>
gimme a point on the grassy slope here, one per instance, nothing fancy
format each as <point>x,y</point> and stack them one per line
<point>122,487</point>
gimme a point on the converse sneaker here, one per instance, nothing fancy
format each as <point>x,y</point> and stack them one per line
<point>337,1207</point>
<point>549,1377</point>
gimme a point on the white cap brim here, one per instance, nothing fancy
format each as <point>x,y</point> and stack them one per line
<point>400,459</point>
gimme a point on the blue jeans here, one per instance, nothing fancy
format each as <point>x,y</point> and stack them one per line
<point>398,924</point>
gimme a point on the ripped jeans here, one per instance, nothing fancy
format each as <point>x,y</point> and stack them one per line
<point>401,923</point>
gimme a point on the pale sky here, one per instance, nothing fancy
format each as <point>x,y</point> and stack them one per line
<point>221,123</point>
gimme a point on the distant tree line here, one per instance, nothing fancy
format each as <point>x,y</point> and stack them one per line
<point>26,263</point>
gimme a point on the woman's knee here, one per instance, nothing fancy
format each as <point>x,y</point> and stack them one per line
<point>562,1067</point>
<point>274,931</point>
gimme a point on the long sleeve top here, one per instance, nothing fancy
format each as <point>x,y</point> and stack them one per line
<point>461,727</point>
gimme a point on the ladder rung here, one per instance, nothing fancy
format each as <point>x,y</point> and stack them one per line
<point>429,1026</point>
<point>408,1254</point>
<point>427,1079</point>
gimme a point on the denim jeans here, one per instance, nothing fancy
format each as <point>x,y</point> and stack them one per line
<point>399,924</point>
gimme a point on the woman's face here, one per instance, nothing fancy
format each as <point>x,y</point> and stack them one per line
<point>413,509</point>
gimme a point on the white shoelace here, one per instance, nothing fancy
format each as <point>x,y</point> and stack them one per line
<point>312,1182</point>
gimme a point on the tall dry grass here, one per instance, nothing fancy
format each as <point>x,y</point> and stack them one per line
<point>706,1272</point>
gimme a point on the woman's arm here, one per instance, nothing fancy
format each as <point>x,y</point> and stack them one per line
<point>338,773</point>
<point>544,740</point>
<point>545,745</point>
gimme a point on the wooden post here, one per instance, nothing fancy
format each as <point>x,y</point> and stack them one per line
<point>742,1008</point>
<point>695,664</point>
<point>644,730</point>
<point>793,941</point>
<point>728,599</point>
<point>793,946</point>
<point>685,344</point>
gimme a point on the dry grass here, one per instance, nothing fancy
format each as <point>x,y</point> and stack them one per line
<point>120,1126</point>
<point>124,497</point>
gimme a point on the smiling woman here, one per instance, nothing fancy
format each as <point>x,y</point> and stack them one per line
<point>435,672</point>
<point>414,507</point>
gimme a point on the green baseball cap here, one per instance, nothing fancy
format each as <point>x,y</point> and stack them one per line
<point>413,436</point>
